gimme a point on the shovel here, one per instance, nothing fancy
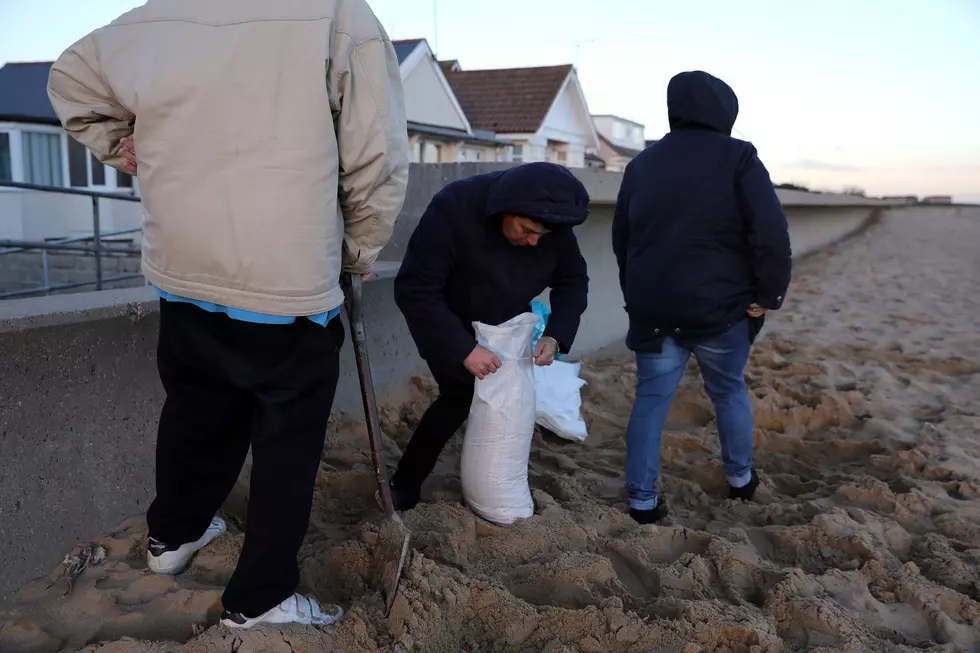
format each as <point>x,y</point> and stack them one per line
<point>393,536</point>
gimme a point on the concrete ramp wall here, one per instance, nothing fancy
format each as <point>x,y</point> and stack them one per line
<point>80,397</point>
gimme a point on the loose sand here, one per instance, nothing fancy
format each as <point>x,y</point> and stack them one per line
<point>865,535</point>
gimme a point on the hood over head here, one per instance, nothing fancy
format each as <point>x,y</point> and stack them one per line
<point>545,192</point>
<point>697,99</point>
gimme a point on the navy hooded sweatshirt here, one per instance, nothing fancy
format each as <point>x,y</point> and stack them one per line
<point>459,268</point>
<point>698,232</point>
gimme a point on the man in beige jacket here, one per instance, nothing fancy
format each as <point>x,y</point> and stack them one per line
<point>271,149</point>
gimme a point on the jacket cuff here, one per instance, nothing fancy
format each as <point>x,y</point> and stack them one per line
<point>563,346</point>
<point>460,348</point>
<point>770,302</point>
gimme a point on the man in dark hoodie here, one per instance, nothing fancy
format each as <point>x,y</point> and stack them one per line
<point>703,251</point>
<point>484,249</point>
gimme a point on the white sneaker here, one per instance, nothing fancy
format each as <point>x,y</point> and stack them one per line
<point>297,609</point>
<point>169,560</point>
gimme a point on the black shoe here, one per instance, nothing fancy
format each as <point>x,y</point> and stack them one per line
<point>404,498</point>
<point>651,516</point>
<point>746,492</point>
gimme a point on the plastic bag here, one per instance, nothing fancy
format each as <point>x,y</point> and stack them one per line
<point>543,311</point>
<point>558,390</point>
<point>559,402</point>
<point>498,436</point>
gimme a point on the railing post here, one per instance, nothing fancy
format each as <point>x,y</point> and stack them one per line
<point>47,278</point>
<point>97,242</point>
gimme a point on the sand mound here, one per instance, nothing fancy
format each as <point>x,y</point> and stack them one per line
<point>865,535</point>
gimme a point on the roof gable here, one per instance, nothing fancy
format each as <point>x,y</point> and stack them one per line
<point>404,48</point>
<point>508,100</point>
<point>24,93</point>
<point>429,99</point>
<point>569,114</point>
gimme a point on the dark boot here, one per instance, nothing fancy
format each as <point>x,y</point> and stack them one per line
<point>651,516</point>
<point>746,492</point>
<point>404,498</point>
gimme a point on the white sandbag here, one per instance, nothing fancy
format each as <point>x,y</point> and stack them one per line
<point>498,436</point>
<point>559,400</point>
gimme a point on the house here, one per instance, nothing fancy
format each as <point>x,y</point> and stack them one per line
<point>937,199</point>
<point>594,161</point>
<point>438,129</point>
<point>34,149</point>
<point>620,140</point>
<point>541,111</point>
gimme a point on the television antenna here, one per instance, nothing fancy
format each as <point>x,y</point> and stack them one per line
<point>435,27</point>
<point>578,51</point>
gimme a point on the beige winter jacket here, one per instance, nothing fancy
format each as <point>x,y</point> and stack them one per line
<point>268,133</point>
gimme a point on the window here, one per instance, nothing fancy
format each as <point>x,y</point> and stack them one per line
<point>416,151</point>
<point>98,171</point>
<point>46,156</point>
<point>42,158</point>
<point>77,164</point>
<point>619,131</point>
<point>6,164</point>
<point>562,157</point>
<point>84,170</point>
<point>517,154</point>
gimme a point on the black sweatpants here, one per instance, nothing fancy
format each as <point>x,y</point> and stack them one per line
<point>231,384</point>
<point>440,422</point>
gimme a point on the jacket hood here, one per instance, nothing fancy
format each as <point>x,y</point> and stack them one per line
<point>545,192</point>
<point>699,99</point>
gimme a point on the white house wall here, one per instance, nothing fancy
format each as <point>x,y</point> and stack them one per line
<point>426,99</point>
<point>566,121</point>
<point>33,215</point>
<point>604,125</point>
<point>569,122</point>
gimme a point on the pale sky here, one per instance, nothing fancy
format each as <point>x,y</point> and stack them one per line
<point>880,94</point>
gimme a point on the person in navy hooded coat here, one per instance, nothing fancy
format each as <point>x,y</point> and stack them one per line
<point>703,251</point>
<point>484,249</point>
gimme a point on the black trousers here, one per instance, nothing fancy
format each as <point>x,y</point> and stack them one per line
<point>440,422</point>
<point>231,384</point>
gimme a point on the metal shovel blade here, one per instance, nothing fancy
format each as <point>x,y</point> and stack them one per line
<point>394,537</point>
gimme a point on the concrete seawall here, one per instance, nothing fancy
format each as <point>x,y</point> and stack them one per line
<point>80,398</point>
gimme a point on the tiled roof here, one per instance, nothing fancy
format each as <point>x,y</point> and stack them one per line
<point>404,48</point>
<point>509,100</point>
<point>24,93</point>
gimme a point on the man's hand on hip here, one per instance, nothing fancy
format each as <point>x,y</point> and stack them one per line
<point>481,362</point>
<point>545,351</point>
<point>128,152</point>
<point>755,311</point>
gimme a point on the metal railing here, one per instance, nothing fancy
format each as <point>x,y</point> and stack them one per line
<point>79,244</point>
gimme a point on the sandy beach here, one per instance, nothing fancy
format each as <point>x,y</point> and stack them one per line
<point>865,535</point>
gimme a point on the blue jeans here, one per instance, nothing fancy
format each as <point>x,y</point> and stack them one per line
<point>722,361</point>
